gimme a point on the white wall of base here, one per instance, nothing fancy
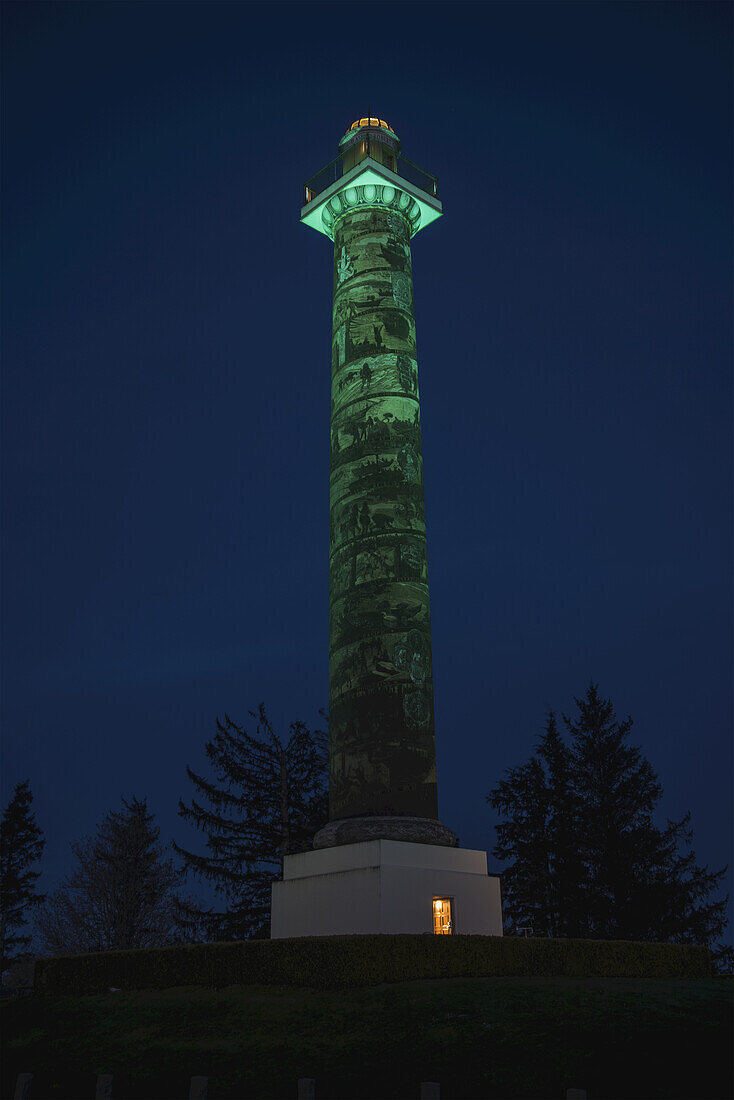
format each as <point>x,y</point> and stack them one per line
<point>384,886</point>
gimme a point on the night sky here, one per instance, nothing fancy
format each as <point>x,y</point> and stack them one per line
<point>166,384</point>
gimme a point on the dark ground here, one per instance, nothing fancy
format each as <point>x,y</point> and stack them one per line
<point>482,1039</point>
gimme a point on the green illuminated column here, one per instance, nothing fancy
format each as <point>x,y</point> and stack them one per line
<point>382,742</point>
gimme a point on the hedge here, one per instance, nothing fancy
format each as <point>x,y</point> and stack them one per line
<point>334,962</point>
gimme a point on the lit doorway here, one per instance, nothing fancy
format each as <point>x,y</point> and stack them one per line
<point>443,916</point>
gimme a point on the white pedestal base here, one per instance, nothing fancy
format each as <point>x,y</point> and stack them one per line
<point>384,886</point>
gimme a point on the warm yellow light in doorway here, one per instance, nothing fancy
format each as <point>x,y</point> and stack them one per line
<point>443,916</point>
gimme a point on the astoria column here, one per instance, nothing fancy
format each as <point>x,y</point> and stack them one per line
<point>382,754</point>
<point>383,863</point>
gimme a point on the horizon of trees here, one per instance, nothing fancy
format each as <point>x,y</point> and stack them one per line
<point>583,855</point>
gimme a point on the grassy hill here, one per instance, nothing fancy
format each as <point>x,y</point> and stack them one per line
<point>481,1038</point>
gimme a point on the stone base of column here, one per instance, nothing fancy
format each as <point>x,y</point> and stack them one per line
<point>412,830</point>
<point>385,886</point>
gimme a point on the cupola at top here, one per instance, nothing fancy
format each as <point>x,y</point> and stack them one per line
<point>369,124</point>
<point>370,137</point>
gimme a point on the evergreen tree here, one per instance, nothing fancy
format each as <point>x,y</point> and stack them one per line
<point>21,846</point>
<point>541,886</point>
<point>670,897</point>
<point>524,798</point>
<point>564,862</point>
<point>643,882</point>
<point>618,791</point>
<point>121,893</point>
<point>267,799</point>
<point>586,855</point>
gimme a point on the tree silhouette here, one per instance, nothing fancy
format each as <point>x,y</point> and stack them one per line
<point>267,799</point>
<point>121,893</point>
<point>586,858</point>
<point>21,846</point>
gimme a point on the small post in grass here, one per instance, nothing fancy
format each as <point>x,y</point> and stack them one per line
<point>198,1088</point>
<point>306,1088</point>
<point>575,1094</point>
<point>430,1090</point>
<point>23,1087</point>
<point>104,1087</point>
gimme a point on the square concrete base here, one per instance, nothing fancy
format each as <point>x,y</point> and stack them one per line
<point>384,886</point>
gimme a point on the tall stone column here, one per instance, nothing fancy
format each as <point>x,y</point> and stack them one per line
<point>382,743</point>
<point>384,863</point>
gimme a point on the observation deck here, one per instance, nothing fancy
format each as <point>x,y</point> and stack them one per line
<point>369,154</point>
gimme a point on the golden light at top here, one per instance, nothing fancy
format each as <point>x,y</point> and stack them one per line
<point>378,122</point>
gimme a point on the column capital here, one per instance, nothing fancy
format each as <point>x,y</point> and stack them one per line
<point>370,195</point>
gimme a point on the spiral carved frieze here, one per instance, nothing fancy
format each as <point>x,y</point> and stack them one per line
<point>381,713</point>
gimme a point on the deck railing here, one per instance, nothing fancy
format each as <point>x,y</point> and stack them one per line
<point>402,167</point>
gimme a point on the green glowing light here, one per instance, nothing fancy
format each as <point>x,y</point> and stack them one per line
<point>382,743</point>
<point>369,171</point>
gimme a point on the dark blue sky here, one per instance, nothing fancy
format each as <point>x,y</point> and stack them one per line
<point>166,383</point>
